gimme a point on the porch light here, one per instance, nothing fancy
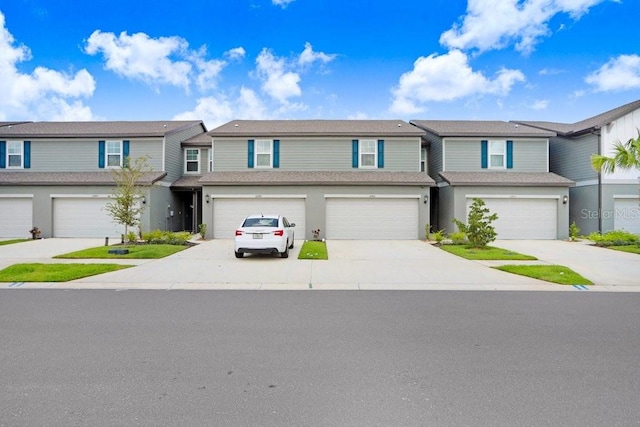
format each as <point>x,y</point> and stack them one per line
<point>144,200</point>
<point>207,198</point>
<point>565,199</point>
<point>425,198</point>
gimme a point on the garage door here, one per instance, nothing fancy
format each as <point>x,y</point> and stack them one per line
<point>229,212</point>
<point>372,218</point>
<point>627,215</point>
<point>17,215</point>
<point>83,217</point>
<point>524,218</point>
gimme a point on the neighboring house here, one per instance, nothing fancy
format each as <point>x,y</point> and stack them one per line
<point>352,179</point>
<point>506,165</point>
<point>599,202</point>
<point>58,176</point>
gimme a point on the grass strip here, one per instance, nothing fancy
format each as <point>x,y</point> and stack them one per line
<point>36,272</point>
<point>12,241</point>
<point>312,249</point>
<point>487,253</point>
<point>632,249</point>
<point>135,252</point>
<point>549,273</point>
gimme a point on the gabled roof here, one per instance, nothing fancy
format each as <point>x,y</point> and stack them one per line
<point>11,123</point>
<point>480,128</point>
<point>350,128</point>
<point>516,179</point>
<point>199,140</point>
<point>70,178</point>
<point>121,129</point>
<point>384,178</point>
<point>591,124</point>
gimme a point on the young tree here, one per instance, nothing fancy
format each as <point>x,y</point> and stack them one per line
<point>478,228</point>
<point>125,207</point>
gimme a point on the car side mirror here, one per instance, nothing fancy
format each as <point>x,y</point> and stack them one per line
<point>293,224</point>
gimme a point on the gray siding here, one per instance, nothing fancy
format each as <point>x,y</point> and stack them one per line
<point>174,157</point>
<point>82,155</point>
<point>571,158</point>
<point>434,156</point>
<point>318,154</point>
<point>464,155</point>
<point>583,208</point>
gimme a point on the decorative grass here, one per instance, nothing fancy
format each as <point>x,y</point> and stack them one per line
<point>12,241</point>
<point>550,273</point>
<point>487,253</point>
<point>313,249</point>
<point>54,272</point>
<point>135,252</point>
<point>634,249</point>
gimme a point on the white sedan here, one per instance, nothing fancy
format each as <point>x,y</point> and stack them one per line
<point>264,234</point>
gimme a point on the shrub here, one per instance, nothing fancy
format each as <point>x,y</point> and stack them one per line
<point>574,231</point>
<point>132,237</point>
<point>478,228</point>
<point>614,238</point>
<point>166,237</point>
<point>458,238</point>
<point>202,229</point>
<point>438,236</point>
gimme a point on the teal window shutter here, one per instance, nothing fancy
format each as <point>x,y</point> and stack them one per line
<point>27,154</point>
<point>101,154</point>
<point>3,154</point>
<point>125,151</point>
<point>276,153</point>
<point>380,153</point>
<point>509,154</point>
<point>354,155</point>
<point>484,153</point>
<point>250,154</point>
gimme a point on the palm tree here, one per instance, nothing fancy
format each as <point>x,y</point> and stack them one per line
<point>626,156</point>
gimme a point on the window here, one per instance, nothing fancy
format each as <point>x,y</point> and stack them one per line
<point>15,155</point>
<point>423,160</point>
<point>263,156</point>
<point>497,152</point>
<point>192,160</point>
<point>211,159</point>
<point>368,153</point>
<point>114,154</point>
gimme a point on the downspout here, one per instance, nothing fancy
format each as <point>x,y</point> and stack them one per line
<point>599,134</point>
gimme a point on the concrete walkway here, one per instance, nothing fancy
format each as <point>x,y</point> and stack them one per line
<point>352,265</point>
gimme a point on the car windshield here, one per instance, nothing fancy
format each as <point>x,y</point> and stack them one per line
<point>260,222</point>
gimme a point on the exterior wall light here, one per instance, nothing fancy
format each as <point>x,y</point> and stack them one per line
<point>207,198</point>
<point>425,198</point>
<point>144,200</point>
<point>565,199</point>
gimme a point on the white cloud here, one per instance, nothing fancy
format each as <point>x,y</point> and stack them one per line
<point>141,57</point>
<point>621,73</point>
<point>540,104</point>
<point>445,78</point>
<point>44,94</point>
<point>282,3</point>
<point>236,53</point>
<point>277,82</point>
<point>309,56</point>
<point>216,110</point>
<point>496,24</point>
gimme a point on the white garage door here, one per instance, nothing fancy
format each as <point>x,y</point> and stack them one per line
<point>83,217</point>
<point>229,212</point>
<point>524,218</point>
<point>372,218</point>
<point>627,215</point>
<point>16,217</point>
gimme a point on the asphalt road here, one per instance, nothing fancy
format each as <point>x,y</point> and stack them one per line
<point>318,358</point>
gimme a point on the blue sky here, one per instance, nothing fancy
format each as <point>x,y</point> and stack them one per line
<point>556,60</point>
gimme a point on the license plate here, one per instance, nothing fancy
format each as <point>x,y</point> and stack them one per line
<point>257,236</point>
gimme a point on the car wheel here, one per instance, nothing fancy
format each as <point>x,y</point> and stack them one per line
<point>285,254</point>
<point>291,246</point>
<point>239,254</point>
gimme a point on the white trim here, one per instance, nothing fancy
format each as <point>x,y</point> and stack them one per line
<point>255,154</point>
<point>164,152</point>
<point>7,154</point>
<point>210,159</point>
<point>372,196</point>
<point>620,181</point>
<point>586,183</point>
<point>197,160</point>
<point>444,158</point>
<point>162,184</point>
<point>547,155</point>
<point>375,154</point>
<point>504,153</point>
<point>106,153</point>
<point>80,196</point>
<point>627,196</point>
<point>511,196</point>
<point>442,184</point>
<point>16,196</point>
<point>258,196</point>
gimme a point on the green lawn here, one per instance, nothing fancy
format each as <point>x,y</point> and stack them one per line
<point>488,253</point>
<point>12,241</point>
<point>312,249</point>
<point>135,251</point>
<point>54,272</point>
<point>634,249</point>
<point>550,273</point>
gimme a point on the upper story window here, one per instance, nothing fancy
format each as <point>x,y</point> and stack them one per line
<point>192,160</point>
<point>114,154</point>
<point>497,154</point>
<point>15,154</point>
<point>423,160</point>
<point>211,159</point>
<point>264,153</point>
<point>368,153</point>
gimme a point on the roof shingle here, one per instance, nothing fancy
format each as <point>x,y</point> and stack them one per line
<point>480,128</point>
<point>69,178</point>
<point>121,129</point>
<point>516,179</point>
<point>316,128</point>
<point>384,178</point>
